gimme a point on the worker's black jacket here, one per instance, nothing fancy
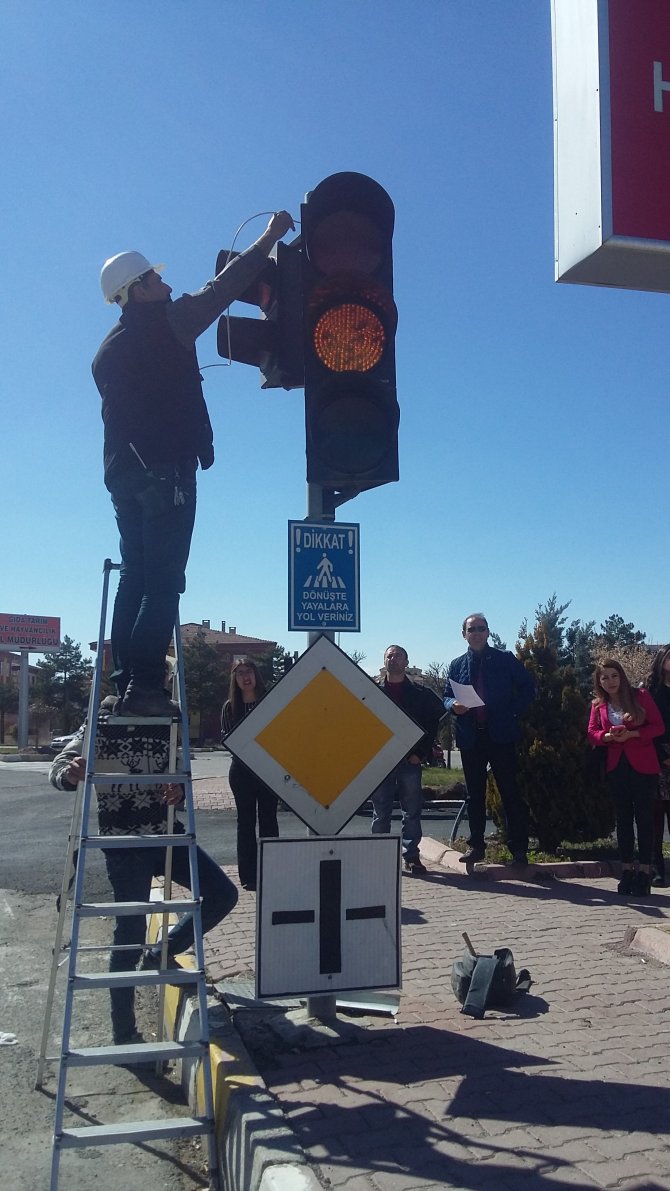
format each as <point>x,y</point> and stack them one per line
<point>151,394</point>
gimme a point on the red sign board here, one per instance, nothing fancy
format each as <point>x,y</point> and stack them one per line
<point>34,633</point>
<point>639,69</point>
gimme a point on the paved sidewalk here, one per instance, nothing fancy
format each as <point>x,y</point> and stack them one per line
<point>212,794</point>
<point>571,1090</point>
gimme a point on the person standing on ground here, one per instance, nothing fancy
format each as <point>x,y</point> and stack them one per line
<point>125,809</point>
<point>658,685</point>
<point>157,430</point>
<point>423,706</point>
<point>488,735</point>
<point>253,799</point>
<point>627,721</point>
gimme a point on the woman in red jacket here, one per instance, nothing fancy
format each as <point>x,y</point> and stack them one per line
<point>626,722</point>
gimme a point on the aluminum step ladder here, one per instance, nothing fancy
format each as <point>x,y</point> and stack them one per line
<point>79,842</point>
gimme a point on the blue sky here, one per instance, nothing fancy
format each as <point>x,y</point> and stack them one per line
<point>532,414</point>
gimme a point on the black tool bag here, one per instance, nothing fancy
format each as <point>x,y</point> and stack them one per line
<point>483,982</point>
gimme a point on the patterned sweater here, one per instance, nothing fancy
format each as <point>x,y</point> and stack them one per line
<point>123,748</point>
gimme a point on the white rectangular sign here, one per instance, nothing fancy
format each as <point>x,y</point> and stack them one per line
<point>328,915</point>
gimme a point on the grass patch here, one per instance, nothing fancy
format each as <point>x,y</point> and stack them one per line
<point>439,780</point>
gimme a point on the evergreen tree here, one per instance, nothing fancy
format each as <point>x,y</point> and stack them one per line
<point>275,664</point>
<point>207,678</point>
<point>616,634</point>
<point>577,651</point>
<point>62,684</point>
<point>567,799</point>
<point>496,642</point>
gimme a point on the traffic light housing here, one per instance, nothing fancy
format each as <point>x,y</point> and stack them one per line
<point>272,343</point>
<point>349,324</point>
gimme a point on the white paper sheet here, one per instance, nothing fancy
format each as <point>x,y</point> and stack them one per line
<point>466,695</point>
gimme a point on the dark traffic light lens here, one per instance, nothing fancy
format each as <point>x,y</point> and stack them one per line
<point>352,430</point>
<point>346,240</point>
<point>349,338</point>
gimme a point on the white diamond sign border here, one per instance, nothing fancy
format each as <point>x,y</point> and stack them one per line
<point>324,820</point>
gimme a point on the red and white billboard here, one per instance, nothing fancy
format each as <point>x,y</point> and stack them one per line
<point>37,634</point>
<point>612,142</point>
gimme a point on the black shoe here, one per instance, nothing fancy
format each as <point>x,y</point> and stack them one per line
<point>472,855</point>
<point>134,1038</point>
<point>625,885</point>
<point>414,866</point>
<point>141,701</point>
<point>641,884</point>
<point>250,886</point>
<point>151,961</point>
<point>658,878</point>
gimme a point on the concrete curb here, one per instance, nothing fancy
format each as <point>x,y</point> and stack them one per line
<point>257,1149</point>
<point>652,941</point>
<point>440,853</point>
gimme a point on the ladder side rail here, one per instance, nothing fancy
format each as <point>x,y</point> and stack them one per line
<point>167,896</point>
<point>68,877</point>
<point>77,895</point>
<point>199,947</point>
<point>188,787</point>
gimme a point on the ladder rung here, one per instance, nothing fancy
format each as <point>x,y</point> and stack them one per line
<point>100,1135</point>
<point>137,841</point>
<point>144,719</point>
<point>130,909</point>
<point>87,980</point>
<point>136,1052</point>
<point>108,777</point>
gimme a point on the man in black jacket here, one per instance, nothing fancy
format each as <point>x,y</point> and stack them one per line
<point>157,430</point>
<point>423,706</point>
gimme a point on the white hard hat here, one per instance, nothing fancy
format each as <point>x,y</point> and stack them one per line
<point>120,271</point>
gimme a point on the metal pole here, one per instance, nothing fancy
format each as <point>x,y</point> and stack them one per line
<point>22,729</point>
<point>323,1006</point>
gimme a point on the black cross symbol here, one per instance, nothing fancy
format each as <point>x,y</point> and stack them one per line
<point>330,916</point>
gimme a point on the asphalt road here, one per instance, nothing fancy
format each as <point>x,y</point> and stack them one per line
<point>36,822</point>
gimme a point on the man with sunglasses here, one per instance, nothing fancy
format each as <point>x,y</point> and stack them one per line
<point>487,735</point>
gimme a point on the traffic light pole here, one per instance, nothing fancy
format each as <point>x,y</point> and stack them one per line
<point>324,1006</point>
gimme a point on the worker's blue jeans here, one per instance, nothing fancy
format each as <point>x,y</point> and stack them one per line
<point>405,780</point>
<point>130,873</point>
<point>155,513</point>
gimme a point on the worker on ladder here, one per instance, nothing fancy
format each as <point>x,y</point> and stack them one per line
<point>157,430</point>
<point>134,809</point>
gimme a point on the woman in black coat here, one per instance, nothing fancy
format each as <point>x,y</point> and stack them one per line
<point>253,800</point>
<point>658,685</point>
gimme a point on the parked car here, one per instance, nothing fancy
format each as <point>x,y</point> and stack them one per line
<point>58,743</point>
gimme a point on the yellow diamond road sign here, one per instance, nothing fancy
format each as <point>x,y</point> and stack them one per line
<point>324,737</point>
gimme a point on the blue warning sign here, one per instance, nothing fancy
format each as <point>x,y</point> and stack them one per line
<point>324,579</point>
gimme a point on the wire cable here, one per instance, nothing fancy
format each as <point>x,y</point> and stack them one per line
<point>259,214</point>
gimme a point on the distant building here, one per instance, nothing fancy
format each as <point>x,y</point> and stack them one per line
<point>228,643</point>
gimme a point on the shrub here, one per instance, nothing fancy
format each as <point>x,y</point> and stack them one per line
<point>558,774</point>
